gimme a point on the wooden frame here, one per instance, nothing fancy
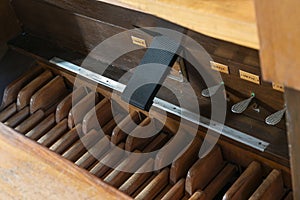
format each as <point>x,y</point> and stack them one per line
<point>22,159</point>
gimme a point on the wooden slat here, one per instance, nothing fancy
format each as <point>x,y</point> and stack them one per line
<point>125,127</point>
<point>176,192</point>
<point>78,111</point>
<point>138,178</point>
<point>246,184</point>
<point>200,174</point>
<point>42,128</point>
<point>17,118</point>
<point>54,134</point>
<point>98,116</point>
<point>113,156</point>
<point>94,154</point>
<point>220,181</point>
<point>81,146</point>
<point>24,161</point>
<point>66,140</point>
<point>198,195</point>
<point>11,91</point>
<point>232,21</point>
<point>119,175</point>
<point>280,44</point>
<point>8,112</point>
<point>65,105</point>
<point>30,122</point>
<point>26,92</point>
<point>48,95</point>
<point>181,166</point>
<point>157,143</point>
<point>155,186</point>
<point>271,188</point>
<point>133,142</point>
<point>175,147</point>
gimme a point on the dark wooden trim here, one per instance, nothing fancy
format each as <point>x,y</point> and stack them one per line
<point>292,98</point>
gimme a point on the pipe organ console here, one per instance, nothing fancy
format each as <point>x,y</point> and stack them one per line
<point>91,118</point>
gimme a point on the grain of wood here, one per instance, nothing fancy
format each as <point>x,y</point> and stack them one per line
<point>42,128</point>
<point>176,192</point>
<point>17,118</point>
<point>12,90</point>
<point>200,174</point>
<point>125,127</point>
<point>98,116</point>
<point>271,188</point>
<point>155,186</point>
<point>54,134</point>
<point>138,178</point>
<point>82,146</point>
<point>65,105</point>
<point>79,111</point>
<point>114,155</point>
<point>233,21</point>
<point>26,92</point>
<point>246,184</point>
<point>280,44</point>
<point>220,181</point>
<point>63,143</point>
<point>8,112</point>
<point>30,122</point>
<point>48,95</point>
<point>47,175</point>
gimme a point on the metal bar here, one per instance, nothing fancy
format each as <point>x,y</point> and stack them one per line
<point>168,107</point>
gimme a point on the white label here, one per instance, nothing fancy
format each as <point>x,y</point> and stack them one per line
<point>139,41</point>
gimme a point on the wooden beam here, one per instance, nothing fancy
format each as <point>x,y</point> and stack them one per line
<point>233,21</point>
<point>47,175</point>
<point>278,27</point>
<point>293,118</point>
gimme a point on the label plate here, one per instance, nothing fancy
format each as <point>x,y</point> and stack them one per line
<point>249,77</point>
<point>139,41</point>
<point>278,87</point>
<point>219,67</point>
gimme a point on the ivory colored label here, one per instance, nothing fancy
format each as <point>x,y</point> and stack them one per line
<point>249,77</point>
<point>278,87</point>
<point>139,41</point>
<point>219,67</point>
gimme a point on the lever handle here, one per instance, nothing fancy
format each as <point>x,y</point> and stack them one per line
<point>242,106</point>
<point>276,117</point>
<point>149,75</point>
<point>209,92</point>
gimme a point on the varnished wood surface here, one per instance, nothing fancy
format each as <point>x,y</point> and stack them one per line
<point>293,98</point>
<point>228,20</point>
<point>47,176</point>
<point>278,27</point>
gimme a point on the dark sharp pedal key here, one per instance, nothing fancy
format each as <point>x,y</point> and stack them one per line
<point>149,75</point>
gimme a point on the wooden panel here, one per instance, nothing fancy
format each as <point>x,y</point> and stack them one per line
<point>279,32</point>
<point>293,98</point>
<point>8,22</point>
<point>228,20</point>
<point>23,161</point>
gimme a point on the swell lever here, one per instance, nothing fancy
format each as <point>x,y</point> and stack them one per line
<point>243,105</point>
<point>276,117</point>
